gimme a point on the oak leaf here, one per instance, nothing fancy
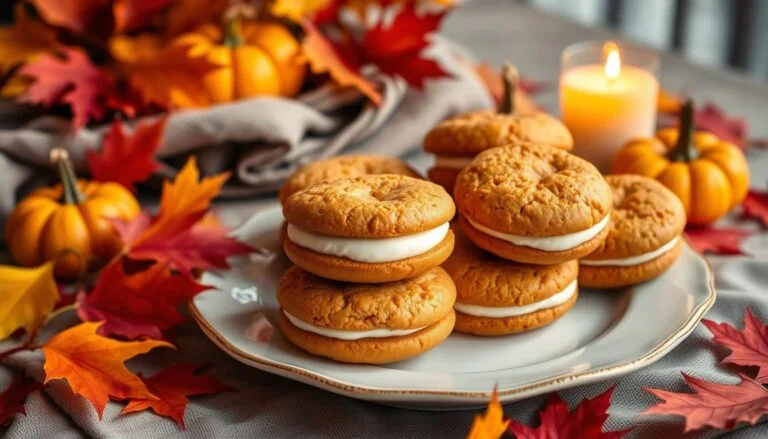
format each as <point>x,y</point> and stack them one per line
<point>490,425</point>
<point>12,398</point>
<point>172,386</point>
<point>721,406</point>
<point>27,297</point>
<point>749,347</point>
<point>756,206</point>
<point>127,158</point>
<point>726,241</point>
<point>139,305</point>
<point>556,422</point>
<point>73,81</point>
<point>25,39</point>
<point>93,364</point>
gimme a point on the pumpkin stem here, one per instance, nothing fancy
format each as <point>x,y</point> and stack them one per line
<point>684,150</point>
<point>72,194</point>
<point>510,78</point>
<point>233,16</point>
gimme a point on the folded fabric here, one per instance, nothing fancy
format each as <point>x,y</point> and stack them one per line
<point>262,140</point>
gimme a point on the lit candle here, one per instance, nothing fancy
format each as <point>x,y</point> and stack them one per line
<point>607,97</point>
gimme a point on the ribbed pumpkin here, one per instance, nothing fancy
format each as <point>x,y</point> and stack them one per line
<point>69,222</point>
<point>708,174</point>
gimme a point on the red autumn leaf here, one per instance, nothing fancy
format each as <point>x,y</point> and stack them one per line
<point>132,14</point>
<point>714,120</point>
<point>532,87</point>
<point>172,386</point>
<point>556,422</point>
<point>12,398</point>
<point>127,158</point>
<point>79,16</point>
<point>73,81</point>
<point>724,241</point>
<point>140,305</point>
<point>756,206</point>
<point>749,347</point>
<point>721,406</point>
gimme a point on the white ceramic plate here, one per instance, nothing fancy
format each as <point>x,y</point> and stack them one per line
<point>607,334</point>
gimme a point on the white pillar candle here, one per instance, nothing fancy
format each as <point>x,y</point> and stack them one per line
<point>606,104</point>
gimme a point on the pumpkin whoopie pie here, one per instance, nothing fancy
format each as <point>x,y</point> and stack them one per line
<point>495,296</point>
<point>457,140</point>
<point>644,238</point>
<point>533,203</point>
<point>369,229</point>
<point>340,167</point>
<point>356,323</point>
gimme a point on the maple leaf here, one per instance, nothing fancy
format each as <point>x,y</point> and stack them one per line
<point>93,364</point>
<point>81,16</point>
<point>721,406</point>
<point>749,347</point>
<point>172,386</point>
<point>73,81</point>
<point>24,39</point>
<point>140,305</point>
<point>491,425</point>
<point>27,297</point>
<point>725,241</point>
<point>164,74</point>
<point>12,398</point>
<point>186,15</point>
<point>127,159</point>
<point>322,56</point>
<point>756,206</point>
<point>556,422</point>
<point>714,120</point>
<point>132,14</point>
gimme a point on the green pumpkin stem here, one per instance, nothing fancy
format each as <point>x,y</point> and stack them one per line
<point>510,79</point>
<point>685,150</point>
<point>72,194</point>
<point>233,19</point>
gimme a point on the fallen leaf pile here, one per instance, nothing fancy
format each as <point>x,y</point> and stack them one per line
<point>724,406</point>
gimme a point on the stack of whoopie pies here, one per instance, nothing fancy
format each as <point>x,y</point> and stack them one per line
<point>367,286</point>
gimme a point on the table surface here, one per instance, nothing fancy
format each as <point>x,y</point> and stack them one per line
<point>269,406</point>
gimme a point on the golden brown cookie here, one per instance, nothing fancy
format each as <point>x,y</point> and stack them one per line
<point>340,167</point>
<point>495,296</point>
<point>533,203</point>
<point>644,238</point>
<point>376,228</point>
<point>457,140</point>
<point>374,324</point>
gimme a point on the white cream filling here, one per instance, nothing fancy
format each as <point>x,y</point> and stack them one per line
<point>498,312</point>
<point>632,260</point>
<point>342,334</point>
<point>549,243</point>
<point>443,161</point>
<point>369,250</point>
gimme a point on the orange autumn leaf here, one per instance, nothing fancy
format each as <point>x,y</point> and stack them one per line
<point>132,14</point>
<point>491,425</point>
<point>24,39</point>
<point>186,15</point>
<point>27,297</point>
<point>296,9</point>
<point>93,364</point>
<point>322,57</point>
<point>668,102</point>
<point>79,16</point>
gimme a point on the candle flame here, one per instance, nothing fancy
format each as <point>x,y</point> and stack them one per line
<point>612,60</point>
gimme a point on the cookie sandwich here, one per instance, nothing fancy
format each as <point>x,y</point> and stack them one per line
<point>533,203</point>
<point>495,296</point>
<point>644,238</point>
<point>369,229</point>
<point>456,141</point>
<point>374,324</point>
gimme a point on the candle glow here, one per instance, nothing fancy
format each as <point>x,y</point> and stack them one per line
<point>612,61</point>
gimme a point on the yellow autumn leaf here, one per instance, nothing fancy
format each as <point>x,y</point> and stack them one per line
<point>24,39</point>
<point>491,425</point>
<point>164,73</point>
<point>27,297</point>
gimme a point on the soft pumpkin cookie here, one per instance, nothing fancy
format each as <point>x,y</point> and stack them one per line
<point>375,228</point>
<point>644,238</point>
<point>533,203</point>
<point>375,324</point>
<point>497,297</point>
<point>457,140</point>
<point>340,167</point>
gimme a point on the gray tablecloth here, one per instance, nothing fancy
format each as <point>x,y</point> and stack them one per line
<point>269,406</point>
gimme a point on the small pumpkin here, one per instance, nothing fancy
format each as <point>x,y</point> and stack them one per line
<point>69,222</point>
<point>256,58</point>
<point>709,175</point>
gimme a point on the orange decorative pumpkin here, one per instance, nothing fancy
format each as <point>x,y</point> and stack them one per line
<point>708,174</point>
<point>257,58</point>
<point>69,222</point>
